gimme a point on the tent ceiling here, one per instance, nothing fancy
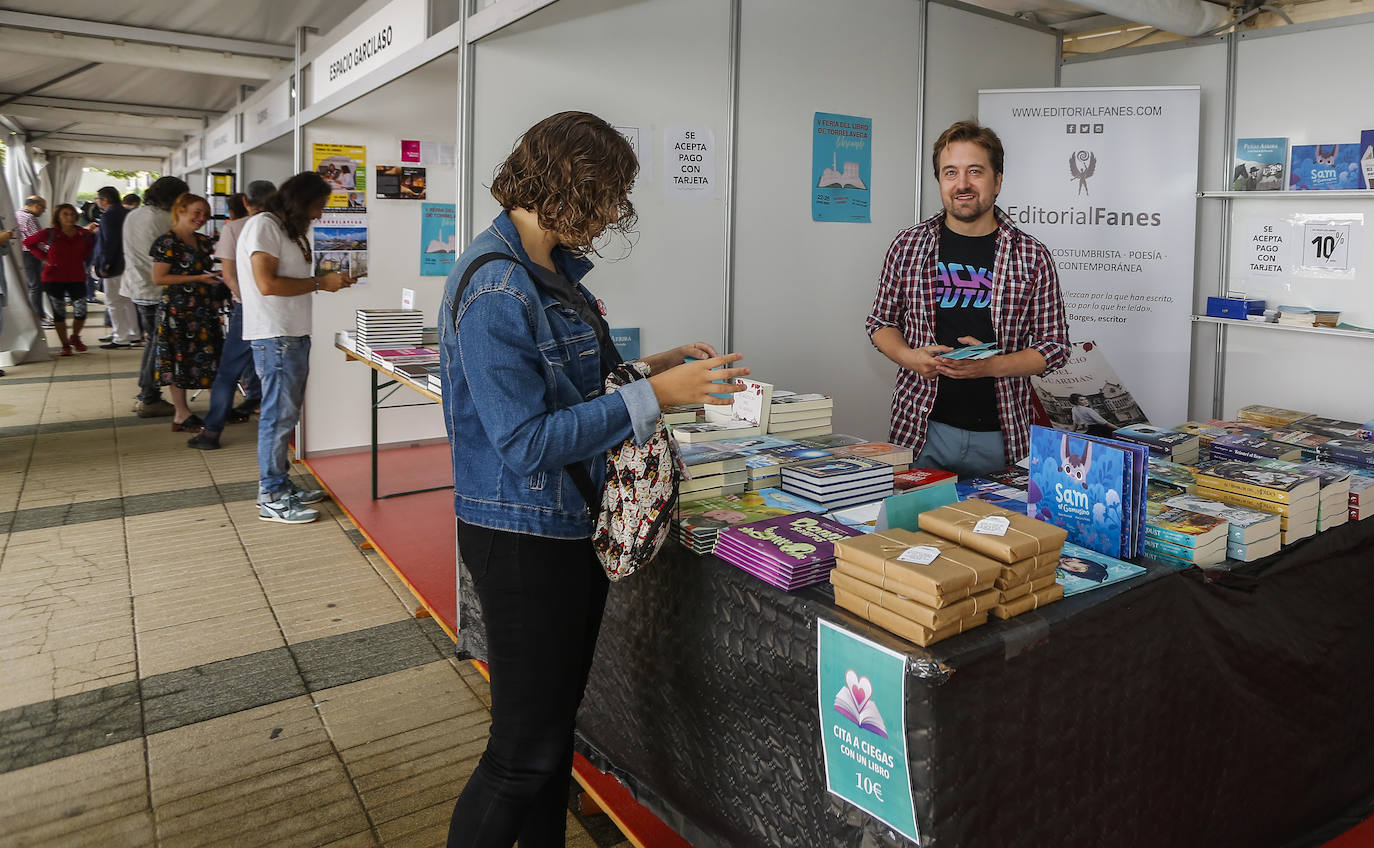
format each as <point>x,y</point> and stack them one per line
<point>138,73</point>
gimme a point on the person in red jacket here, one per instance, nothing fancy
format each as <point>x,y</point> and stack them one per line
<point>65,248</point>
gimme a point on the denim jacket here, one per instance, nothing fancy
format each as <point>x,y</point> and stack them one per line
<point>523,394</point>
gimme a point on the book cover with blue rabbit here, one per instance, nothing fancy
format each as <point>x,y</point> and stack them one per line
<point>1076,483</point>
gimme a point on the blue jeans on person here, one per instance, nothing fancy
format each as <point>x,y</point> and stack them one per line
<point>33,276</point>
<point>283,364</point>
<point>542,602</point>
<point>149,391</point>
<point>233,359</point>
<point>968,453</point>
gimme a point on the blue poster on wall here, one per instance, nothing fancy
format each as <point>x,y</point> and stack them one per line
<point>841,168</point>
<point>862,703</point>
<point>438,238</point>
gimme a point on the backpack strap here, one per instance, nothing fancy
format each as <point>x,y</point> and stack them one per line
<point>576,470</point>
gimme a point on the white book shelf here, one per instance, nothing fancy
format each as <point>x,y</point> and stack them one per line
<point>1286,328</point>
<point>1362,194</point>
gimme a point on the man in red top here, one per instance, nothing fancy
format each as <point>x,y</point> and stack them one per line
<point>65,249</point>
<point>965,276</point>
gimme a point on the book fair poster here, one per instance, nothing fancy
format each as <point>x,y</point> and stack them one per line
<point>841,168</point>
<point>438,238</point>
<point>1107,179</point>
<point>338,242</point>
<point>344,167</point>
<point>861,692</point>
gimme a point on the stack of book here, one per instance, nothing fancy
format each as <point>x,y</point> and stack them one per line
<point>1162,442</point>
<point>1183,538</point>
<point>1361,490</point>
<point>1269,416</point>
<point>1250,533</point>
<point>698,524</point>
<point>1357,453</point>
<point>1180,479</point>
<point>710,471</point>
<point>683,414</point>
<point>1027,550</point>
<point>1309,444</point>
<point>766,455</point>
<point>388,328</point>
<point>1294,497</point>
<point>1237,448</point>
<point>796,416</point>
<point>1332,428</point>
<point>1092,487</point>
<point>919,586</point>
<point>1081,570</point>
<point>417,372</point>
<point>830,441</point>
<point>1333,504</point>
<point>839,481</point>
<point>788,551</point>
<point>392,357</point>
<point>895,455</point>
<point>920,478</point>
<point>1296,316</point>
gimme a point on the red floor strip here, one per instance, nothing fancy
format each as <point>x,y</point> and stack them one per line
<point>413,533</point>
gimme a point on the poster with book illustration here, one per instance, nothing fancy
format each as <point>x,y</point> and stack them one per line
<point>841,168</point>
<point>1086,395</point>
<point>438,238</point>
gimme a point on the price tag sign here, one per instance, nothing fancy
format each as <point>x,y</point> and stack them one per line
<point>993,525</point>
<point>1326,246</point>
<point>407,298</point>
<point>920,555</point>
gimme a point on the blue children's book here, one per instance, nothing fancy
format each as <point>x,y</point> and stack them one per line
<point>1081,485</point>
<point>1081,569</point>
<point>1367,157</point>
<point>1325,167</point>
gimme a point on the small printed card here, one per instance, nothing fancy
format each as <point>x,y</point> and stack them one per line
<point>993,525</point>
<point>920,555</point>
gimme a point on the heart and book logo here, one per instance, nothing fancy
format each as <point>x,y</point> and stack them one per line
<point>854,701</point>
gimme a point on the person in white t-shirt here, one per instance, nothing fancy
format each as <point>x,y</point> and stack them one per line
<point>276,280</point>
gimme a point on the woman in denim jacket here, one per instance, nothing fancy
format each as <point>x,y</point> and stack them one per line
<point>525,351</point>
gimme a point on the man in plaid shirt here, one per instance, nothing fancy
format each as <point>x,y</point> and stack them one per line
<point>966,276</point>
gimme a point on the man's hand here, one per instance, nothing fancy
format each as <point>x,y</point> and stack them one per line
<point>969,369</point>
<point>925,360</point>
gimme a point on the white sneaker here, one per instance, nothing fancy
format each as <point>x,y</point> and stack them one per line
<point>286,509</point>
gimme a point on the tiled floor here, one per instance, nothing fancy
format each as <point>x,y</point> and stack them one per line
<point>178,673</point>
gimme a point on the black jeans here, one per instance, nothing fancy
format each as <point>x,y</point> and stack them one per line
<point>33,277</point>
<point>542,601</point>
<point>149,390</point>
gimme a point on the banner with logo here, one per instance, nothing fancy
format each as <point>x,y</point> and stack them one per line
<point>861,687</point>
<point>1107,179</point>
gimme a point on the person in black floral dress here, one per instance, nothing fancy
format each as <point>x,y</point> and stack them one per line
<point>189,333</point>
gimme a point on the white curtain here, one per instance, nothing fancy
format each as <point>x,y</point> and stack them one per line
<point>21,340</point>
<point>61,178</point>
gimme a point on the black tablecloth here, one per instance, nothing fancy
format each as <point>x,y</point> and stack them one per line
<point>1176,709</point>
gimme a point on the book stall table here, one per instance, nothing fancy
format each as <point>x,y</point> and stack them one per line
<point>1178,708</point>
<point>385,383</point>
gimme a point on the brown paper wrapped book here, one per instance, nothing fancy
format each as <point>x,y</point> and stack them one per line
<point>892,584</point>
<point>1009,578</point>
<point>909,607</point>
<point>954,569</point>
<point>1024,537</point>
<point>1034,600</point>
<point>1011,593</point>
<point>907,629</point>
<point>1023,570</point>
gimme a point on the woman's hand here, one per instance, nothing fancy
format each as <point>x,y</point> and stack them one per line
<point>209,279</point>
<point>660,362</point>
<point>694,382</point>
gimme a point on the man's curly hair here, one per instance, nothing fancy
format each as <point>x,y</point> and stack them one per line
<point>575,172</point>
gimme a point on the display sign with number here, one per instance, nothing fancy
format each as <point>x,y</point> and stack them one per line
<point>1326,246</point>
<point>861,690</point>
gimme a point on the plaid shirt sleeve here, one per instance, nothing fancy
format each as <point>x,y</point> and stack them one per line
<point>889,306</point>
<point>27,222</point>
<point>1047,327</point>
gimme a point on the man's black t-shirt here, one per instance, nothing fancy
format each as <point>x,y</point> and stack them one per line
<point>965,309</point>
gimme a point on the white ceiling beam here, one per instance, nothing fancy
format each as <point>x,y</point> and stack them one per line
<point>107,148</point>
<point>107,50</point>
<point>104,119</point>
<point>170,38</point>
<point>111,106</point>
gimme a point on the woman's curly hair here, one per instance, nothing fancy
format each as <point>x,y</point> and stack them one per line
<point>575,172</point>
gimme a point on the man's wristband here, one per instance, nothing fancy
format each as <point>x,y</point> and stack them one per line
<point>316,281</point>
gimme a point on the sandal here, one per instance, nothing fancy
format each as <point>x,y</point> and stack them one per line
<point>191,424</point>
